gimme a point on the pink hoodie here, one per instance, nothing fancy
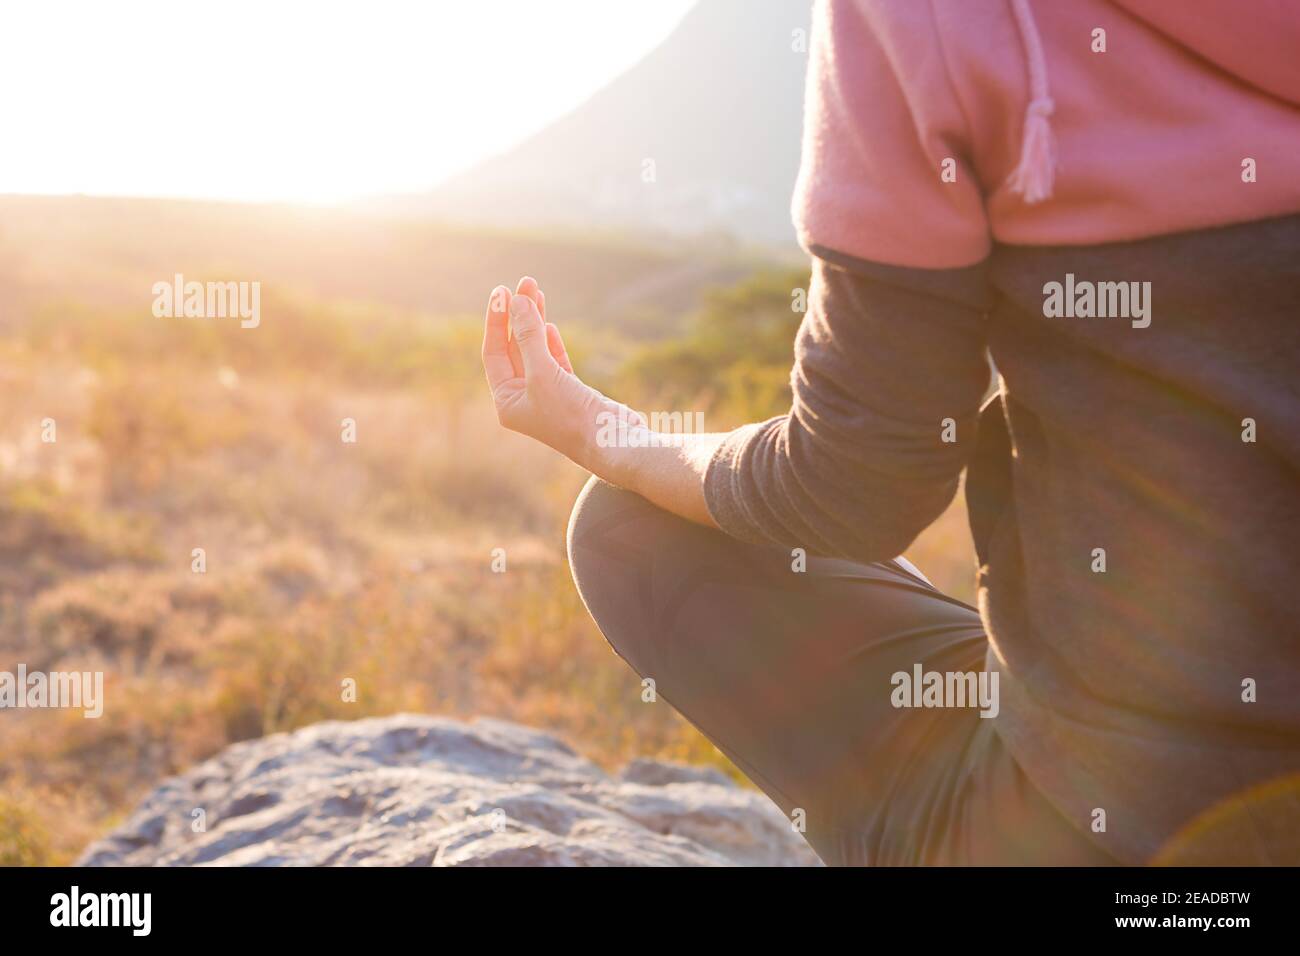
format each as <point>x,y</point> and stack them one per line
<point>937,127</point>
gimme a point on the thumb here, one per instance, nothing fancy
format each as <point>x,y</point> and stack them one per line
<point>530,332</point>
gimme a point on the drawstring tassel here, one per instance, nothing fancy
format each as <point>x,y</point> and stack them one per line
<point>1033,177</point>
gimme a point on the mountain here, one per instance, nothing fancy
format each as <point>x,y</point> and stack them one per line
<point>700,136</point>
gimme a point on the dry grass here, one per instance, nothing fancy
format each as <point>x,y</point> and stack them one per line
<point>326,562</point>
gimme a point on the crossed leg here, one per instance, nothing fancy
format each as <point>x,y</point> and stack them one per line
<point>788,674</point>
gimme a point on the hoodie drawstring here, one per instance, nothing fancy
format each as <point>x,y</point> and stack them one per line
<point>1032,178</point>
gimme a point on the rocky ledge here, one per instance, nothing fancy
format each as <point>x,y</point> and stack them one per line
<point>412,790</point>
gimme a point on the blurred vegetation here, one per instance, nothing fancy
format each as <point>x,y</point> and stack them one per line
<point>734,358</point>
<point>326,561</point>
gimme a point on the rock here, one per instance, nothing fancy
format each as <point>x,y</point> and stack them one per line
<point>411,790</point>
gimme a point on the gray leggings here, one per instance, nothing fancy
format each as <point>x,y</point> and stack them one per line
<point>788,674</point>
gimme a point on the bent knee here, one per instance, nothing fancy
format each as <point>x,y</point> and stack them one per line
<point>601,508</point>
<point>624,553</point>
<point>601,561</point>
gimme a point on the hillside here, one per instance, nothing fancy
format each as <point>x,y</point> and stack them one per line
<point>716,108</point>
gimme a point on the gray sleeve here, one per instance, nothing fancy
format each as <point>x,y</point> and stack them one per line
<point>859,466</point>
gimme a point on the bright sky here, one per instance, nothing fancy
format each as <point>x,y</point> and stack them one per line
<point>277,100</point>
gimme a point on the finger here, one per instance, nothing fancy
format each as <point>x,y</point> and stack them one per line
<point>496,345</point>
<point>529,286</point>
<point>556,345</point>
<point>530,332</point>
<point>526,286</point>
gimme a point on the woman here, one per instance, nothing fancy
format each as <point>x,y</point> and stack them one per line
<point>1102,195</point>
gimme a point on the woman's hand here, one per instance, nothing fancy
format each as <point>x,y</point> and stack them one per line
<point>533,385</point>
<point>537,394</point>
